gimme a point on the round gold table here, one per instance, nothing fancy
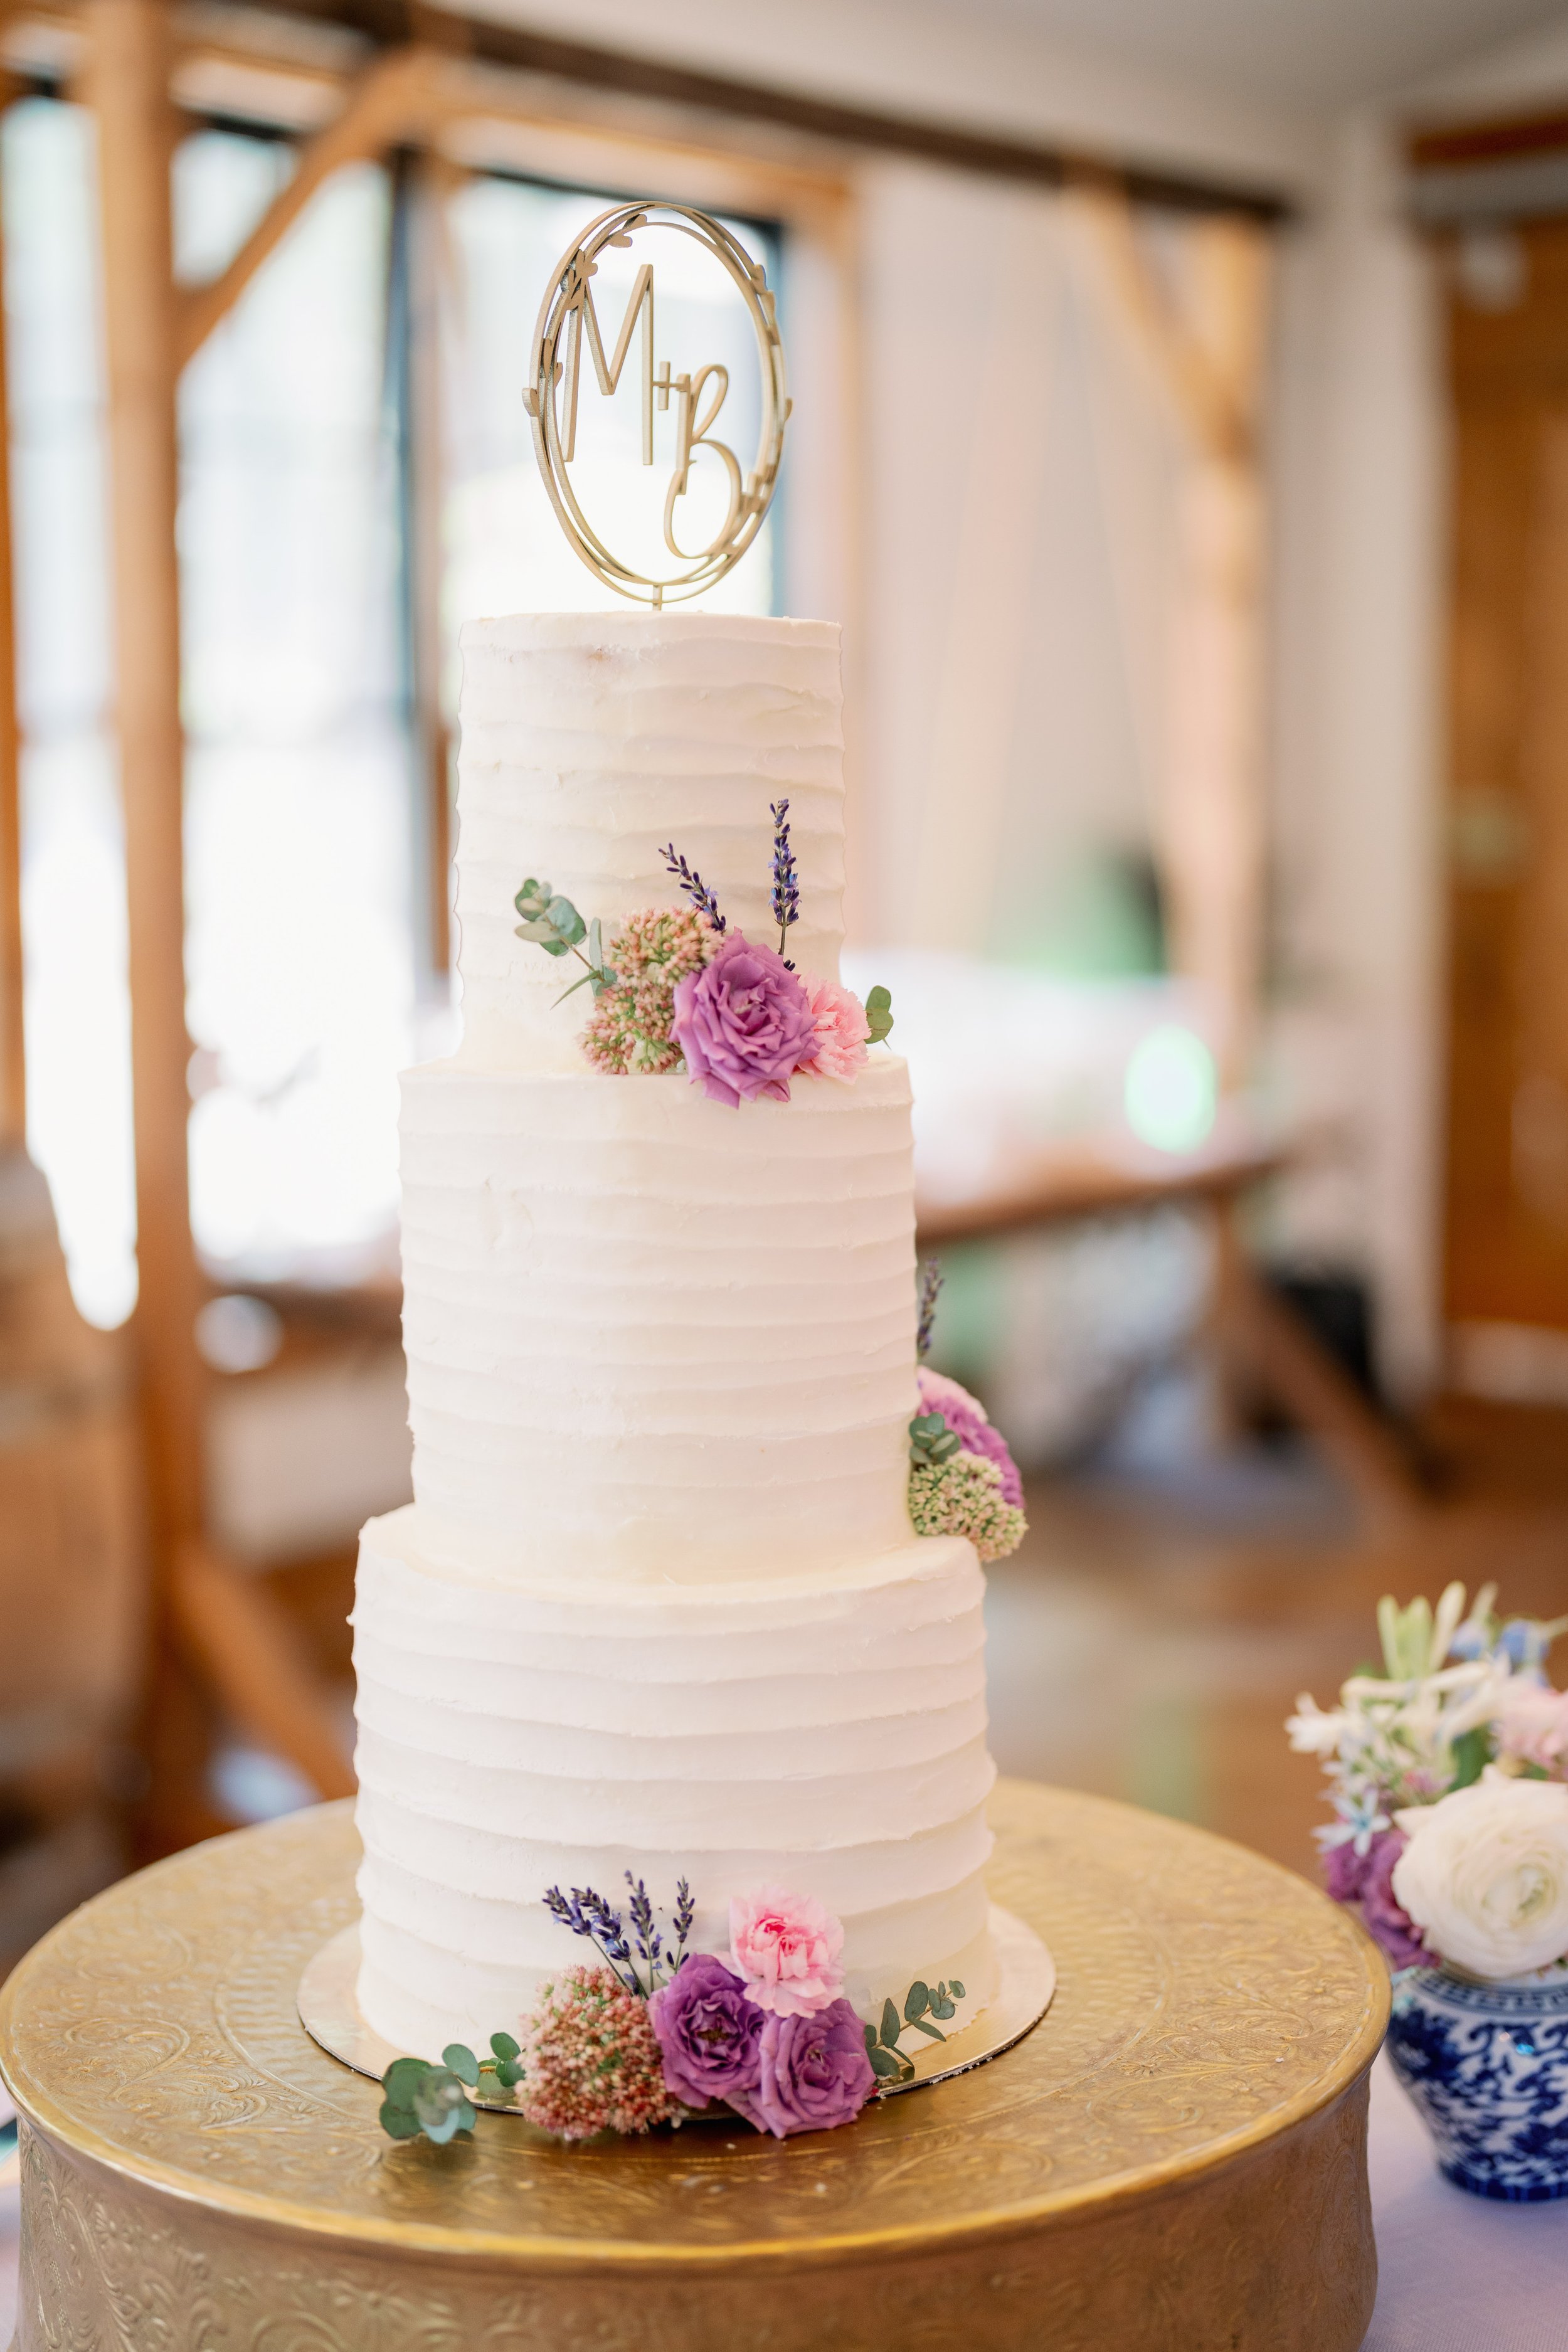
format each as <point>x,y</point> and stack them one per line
<point>1175,2157</point>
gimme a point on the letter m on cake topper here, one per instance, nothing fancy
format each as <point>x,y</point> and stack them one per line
<point>581,319</point>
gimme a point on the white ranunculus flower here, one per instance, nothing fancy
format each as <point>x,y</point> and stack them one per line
<point>1485,1874</point>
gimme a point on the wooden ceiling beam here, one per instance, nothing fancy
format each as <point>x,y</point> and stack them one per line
<point>649,79</point>
<point>392,101</point>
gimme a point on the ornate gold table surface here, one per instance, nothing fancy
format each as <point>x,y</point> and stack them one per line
<point>1175,2157</point>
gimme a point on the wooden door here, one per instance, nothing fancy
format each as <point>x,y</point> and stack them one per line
<point>1506,1238</point>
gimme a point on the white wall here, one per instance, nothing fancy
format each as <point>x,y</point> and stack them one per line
<point>980,68</point>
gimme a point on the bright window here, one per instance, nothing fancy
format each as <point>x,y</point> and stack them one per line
<point>306,928</point>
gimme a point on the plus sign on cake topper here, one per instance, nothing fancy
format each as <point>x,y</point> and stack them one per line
<point>571,332</point>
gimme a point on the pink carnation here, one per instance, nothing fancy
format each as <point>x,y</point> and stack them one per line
<point>966,1417</point>
<point>839,1019</point>
<point>786,1949</point>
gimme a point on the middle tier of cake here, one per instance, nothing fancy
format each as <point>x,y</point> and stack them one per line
<point>825,1734</point>
<point>650,1337</point>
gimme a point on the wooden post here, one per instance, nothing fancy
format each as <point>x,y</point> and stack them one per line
<point>128,80</point>
<point>200,1603</point>
<point>1212,819</point>
<point>1207,355</point>
<point>13,1055</point>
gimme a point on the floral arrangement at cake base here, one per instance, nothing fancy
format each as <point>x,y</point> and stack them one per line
<point>1448,1775</point>
<point>657,2034</point>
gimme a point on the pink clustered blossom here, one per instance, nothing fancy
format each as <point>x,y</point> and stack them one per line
<point>1532,1726</point>
<point>786,1949</point>
<point>1365,1882</point>
<point>967,1418</point>
<point>591,2059</point>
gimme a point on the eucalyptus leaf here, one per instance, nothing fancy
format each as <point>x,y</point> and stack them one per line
<point>956,1990</point>
<point>917,2000</point>
<point>402,2079</point>
<point>940,2004</point>
<point>462,2062</point>
<point>892,2027</point>
<point>507,2073</point>
<point>924,2025</point>
<point>532,899</point>
<point>878,1014</point>
<point>439,2095</point>
<point>567,923</point>
<point>885,2063</point>
<point>449,2125</point>
<point>504,2046</point>
<point>399,2123</point>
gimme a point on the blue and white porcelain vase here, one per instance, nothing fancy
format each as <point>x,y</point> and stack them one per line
<point>1486,2065</point>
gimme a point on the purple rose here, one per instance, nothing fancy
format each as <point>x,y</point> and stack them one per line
<point>815,2074</point>
<point>1365,1880</point>
<point>708,2031</point>
<point>744,1023</point>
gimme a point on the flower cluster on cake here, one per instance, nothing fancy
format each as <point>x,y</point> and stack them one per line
<point>657,2034</point>
<point>1448,1775</point>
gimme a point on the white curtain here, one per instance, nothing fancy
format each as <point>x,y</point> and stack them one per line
<point>1023,487</point>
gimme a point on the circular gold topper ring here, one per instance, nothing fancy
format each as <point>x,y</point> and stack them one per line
<point>568,321</point>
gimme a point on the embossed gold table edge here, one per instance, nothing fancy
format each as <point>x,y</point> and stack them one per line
<point>1180,1958</point>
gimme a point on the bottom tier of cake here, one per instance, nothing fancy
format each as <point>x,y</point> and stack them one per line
<point>825,1736</point>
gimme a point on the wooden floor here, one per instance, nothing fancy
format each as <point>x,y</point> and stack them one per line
<point>1152,1636</point>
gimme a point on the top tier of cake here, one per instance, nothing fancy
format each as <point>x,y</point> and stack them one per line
<point>591,739</point>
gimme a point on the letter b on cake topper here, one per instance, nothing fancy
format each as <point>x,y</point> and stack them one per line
<point>570,336</point>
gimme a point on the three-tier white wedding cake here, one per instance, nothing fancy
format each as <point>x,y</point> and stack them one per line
<point>658,1605</point>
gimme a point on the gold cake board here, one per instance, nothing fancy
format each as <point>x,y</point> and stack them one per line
<point>1175,2159</point>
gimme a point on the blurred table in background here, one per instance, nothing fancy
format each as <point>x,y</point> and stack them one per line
<point>1255,1333</point>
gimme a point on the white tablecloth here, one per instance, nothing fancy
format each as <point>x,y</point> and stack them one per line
<point>1457,2273</point>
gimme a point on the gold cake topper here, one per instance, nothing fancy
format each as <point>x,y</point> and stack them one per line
<point>568,321</point>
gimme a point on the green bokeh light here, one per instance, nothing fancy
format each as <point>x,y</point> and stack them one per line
<point>1170,1089</point>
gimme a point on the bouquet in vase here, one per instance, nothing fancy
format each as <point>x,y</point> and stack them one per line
<point>1448,1778</point>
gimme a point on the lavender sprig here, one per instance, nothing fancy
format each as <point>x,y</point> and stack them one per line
<point>685,1913</point>
<point>650,1943</point>
<point>589,1916</point>
<point>693,885</point>
<point>931,1286</point>
<point>786,887</point>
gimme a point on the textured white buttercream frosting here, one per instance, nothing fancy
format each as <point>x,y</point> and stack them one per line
<point>826,1733</point>
<point>589,740</point>
<point>656,1605</point>
<point>654,1335</point>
